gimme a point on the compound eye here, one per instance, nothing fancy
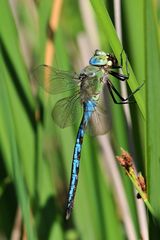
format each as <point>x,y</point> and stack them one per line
<point>99,53</point>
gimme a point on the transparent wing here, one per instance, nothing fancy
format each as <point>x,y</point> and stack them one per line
<point>65,111</point>
<point>100,121</point>
<point>55,81</point>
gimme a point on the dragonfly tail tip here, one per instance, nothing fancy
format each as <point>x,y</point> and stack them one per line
<point>68,213</point>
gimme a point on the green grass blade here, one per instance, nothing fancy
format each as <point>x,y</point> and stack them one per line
<point>11,45</point>
<point>12,154</point>
<point>152,106</point>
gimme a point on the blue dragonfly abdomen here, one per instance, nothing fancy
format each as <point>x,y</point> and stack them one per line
<point>89,107</point>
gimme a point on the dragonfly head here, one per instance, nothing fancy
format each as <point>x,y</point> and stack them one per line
<point>101,58</point>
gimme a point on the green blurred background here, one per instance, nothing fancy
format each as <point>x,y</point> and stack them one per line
<point>35,155</point>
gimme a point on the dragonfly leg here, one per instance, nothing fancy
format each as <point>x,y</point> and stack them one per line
<point>118,75</point>
<point>112,89</point>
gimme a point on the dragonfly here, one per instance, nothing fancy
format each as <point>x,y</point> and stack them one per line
<point>87,87</point>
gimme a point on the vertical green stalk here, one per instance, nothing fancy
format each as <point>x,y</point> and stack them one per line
<point>7,123</point>
<point>152,106</point>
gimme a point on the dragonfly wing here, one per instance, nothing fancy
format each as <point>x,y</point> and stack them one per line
<point>100,121</point>
<point>55,81</point>
<point>65,111</point>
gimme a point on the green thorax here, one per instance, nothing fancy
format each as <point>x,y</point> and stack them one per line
<point>91,84</point>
